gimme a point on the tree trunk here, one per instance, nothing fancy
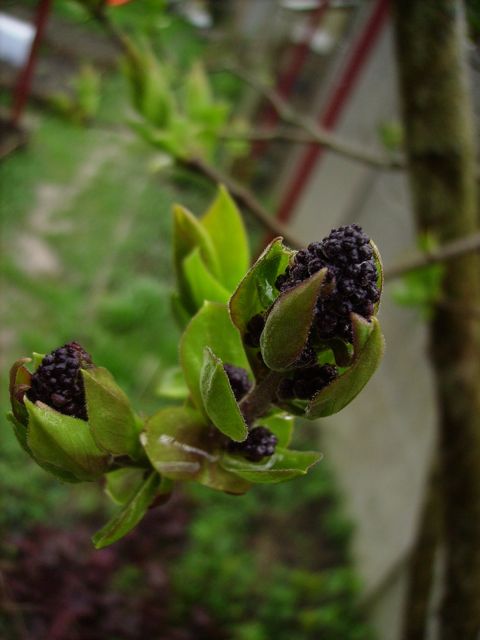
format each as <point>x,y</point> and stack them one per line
<point>441,155</point>
<point>421,569</point>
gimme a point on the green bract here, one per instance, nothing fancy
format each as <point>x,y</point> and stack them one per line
<point>288,324</point>
<point>369,345</point>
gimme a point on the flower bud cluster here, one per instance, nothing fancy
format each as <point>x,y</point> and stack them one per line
<point>254,330</point>
<point>58,381</point>
<point>305,383</point>
<point>239,380</point>
<point>260,443</point>
<point>348,255</point>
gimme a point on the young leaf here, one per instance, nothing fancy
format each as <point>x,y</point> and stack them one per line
<point>180,313</point>
<point>181,446</point>
<point>130,515</point>
<point>225,227</point>
<point>283,465</point>
<point>64,442</point>
<point>379,265</point>
<point>256,292</point>
<point>37,360</point>
<point>172,384</point>
<point>122,483</point>
<point>203,286</point>
<point>369,346</point>
<point>21,433</point>
<point>288,323</point>
<point>198,95</point>
<point>210,327</point>
<point>109,413</point>
<point>19,382</point>
<point>150,92</point>
<point>173,441</point>
<point>219,400</point>
<point>188,234</point>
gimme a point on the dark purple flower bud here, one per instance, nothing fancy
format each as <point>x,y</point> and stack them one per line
<point>239,380</point>
<point>305,383</point>
<point>347,254</point>
<point>58,380</point>
<point>260,443</point>
<point>254,330</point>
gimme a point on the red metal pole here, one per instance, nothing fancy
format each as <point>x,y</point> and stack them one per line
<point>22,87</point>
<point>335,105</point>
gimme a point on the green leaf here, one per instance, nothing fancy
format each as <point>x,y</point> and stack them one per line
<point>181,315</point>
<point>188,234</point>
<point>64,442</point>
<point>37,360</point>
<point>173,441</point>
<point>181,446</point>
<point>219,400</point>
<point>151,94</point>
<point>210,327</point>
<point>283,465</point>
<point>131,514</point>
<point>198,95</point>
<point>165,140</point>
<point>21,433</point>
<point>110,415</point>
<point>122,483</point>
<point>379,265</point>
<point>281,424</point>
<point>288,324</point>
<point>19,383</point>
<point>368,351</point>
<point>203,286</point>
<point>172,384</point>
<point>225,227</point>
<point>256,292</point>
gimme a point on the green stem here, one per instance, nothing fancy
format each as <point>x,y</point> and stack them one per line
<point>258,401</point>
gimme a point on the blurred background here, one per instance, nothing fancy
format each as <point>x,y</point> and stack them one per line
<point>86,191</point>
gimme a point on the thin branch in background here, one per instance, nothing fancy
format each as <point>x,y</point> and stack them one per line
<point>317,134</point>
<point>443,254</point>
<point>310,133</point>
<point>244,198</point>
<point>279,134</point>
<point>117,37</point>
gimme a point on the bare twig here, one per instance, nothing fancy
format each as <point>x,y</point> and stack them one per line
<point>445,253</point>
<point>318,135</point>
<point>244,197</point>
<point>274,135</point>
<point>117,37</point>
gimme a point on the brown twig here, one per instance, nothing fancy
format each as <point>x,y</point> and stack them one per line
<point>117,37</point>
<point>316,133</point>
<point>445,253</point>
<point>279,134</point>
<point>244,198</point>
